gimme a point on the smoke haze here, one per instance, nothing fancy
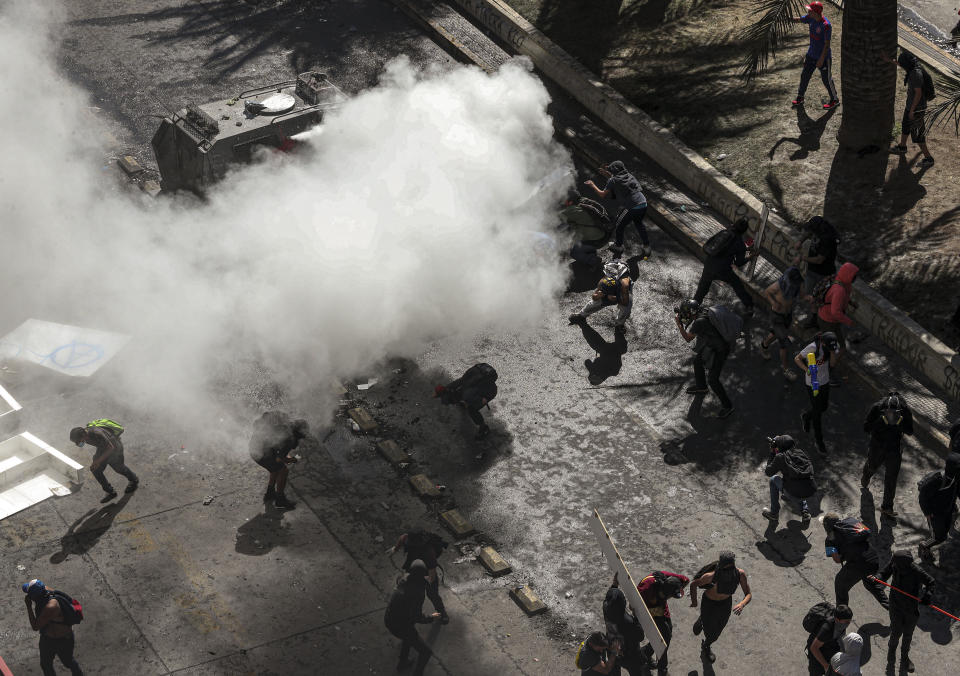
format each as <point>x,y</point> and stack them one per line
<point>398,227</point>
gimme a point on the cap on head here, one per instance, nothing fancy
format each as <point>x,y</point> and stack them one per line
<point>783,442</point>
<point>830,520</point>
<point>77,435</point>
<point>35,589</point>
<point>726,559</point>
<point>843,613</point>
<point>816,6</point>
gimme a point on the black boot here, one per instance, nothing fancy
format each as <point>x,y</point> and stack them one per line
<point>282,503</point>
<point>271,494</point>
<point>706,654</point>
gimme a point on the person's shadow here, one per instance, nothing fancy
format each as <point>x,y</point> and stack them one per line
<point>786,547</point>
<point>810,132</point>
<point>262,533</point>
<point>84,533</point>
<point>609,359</point>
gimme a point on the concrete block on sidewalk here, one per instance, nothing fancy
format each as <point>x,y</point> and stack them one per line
<point>130,165</point>
<point>363,418</point>
<point>493,562</point>
<point>457,525</point>
<point>424,487</point>
<point>393,453</point>
<point>151,187</point>
<point>526,599</point>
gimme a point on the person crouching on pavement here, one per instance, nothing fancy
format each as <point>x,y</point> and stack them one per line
<point>103,435</point>
<point>719,581</point>
<point>274,437</point>
<point>616,288</point>
<point>404,611</point>
<point>791,473</point>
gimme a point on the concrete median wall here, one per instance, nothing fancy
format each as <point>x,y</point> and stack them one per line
<point>923,351</point>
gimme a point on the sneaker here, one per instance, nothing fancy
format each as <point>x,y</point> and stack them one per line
<point>444,618</point>
<point>790,375</point>
<point>805,421</point>
<point>833,103</point>
<point>697,627</point>
<point>707,654</point>
<point>889,512</point>
<point>907,665</point>
<point>576,318</point>
<point>271,494</point>
<point>926,162</point>
<point>282,503</point>
<point>797,101</point>
<point>131,487</point>
<point>899,150</point>
<point>770,515</point>
<point>108,497</point>
<point>697,389</point>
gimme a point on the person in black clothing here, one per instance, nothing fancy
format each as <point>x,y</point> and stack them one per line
<point>427,547</point>
<point>847,543</point>
<point>476,388</point>
<point>710,352</point>
<point>938,493</point>
<point>719,581</point>
<point>404,611</point>
<point>886,423</point>
<point>904,611</point>
<point>599,656</point>
<point>791,473</point>
<point>109,452</point>
<point>274,437</point>
<point>821,257</point>
<point>624,628</point>
<point>719,267</point>
<point>826,641</point>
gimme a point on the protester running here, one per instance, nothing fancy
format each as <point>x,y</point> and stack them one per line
<point>826,637</point>
<point>719,581</point>
<point>912,123</point>
<point>938,493</point>
<point>404,611</point>
<point>419,544</point>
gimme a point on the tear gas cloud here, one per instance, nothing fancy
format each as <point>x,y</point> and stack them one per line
<point>398,226</point>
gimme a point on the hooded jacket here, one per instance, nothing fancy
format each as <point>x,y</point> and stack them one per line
<point>938,497</point>
<point>624,186</point>
<point>834,309</point>
<point>847,663</point>
<point>621,624</point>
<point>405,607</point>
<point>909,577</point>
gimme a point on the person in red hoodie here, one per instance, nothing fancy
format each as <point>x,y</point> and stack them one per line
<point>655,590</point>
<point>832,315</point>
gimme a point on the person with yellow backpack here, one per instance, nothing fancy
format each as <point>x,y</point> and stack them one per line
<point>104,435</point>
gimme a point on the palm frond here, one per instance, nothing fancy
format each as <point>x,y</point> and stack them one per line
<point>948,92</point>
<point>763,37</point>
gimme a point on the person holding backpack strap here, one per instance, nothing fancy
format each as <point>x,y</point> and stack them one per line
<point>724,250</point>
<point>710,351</point>
<point>825,639</point>
<point>791,473</point>
<point>47,617</point>
<point>104,435</point>
<point>886,423</point>
<point>848,543</point>
<point>919,87</point>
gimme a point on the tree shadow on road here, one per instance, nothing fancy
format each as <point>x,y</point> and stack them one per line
<point>84,533</point>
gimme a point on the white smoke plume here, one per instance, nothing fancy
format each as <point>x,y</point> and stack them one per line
<point>398,228</point>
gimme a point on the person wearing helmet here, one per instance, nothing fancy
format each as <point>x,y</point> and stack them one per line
<point>709,352</point>
<point>818,55</point>
<point>56,637</point>
<point>404,611</point>
<point>905,611</point>
<point>624,189</point>
<point>275,436</point>
<point>938,493</point>
<point>886,423</point>
<point>824,348</point>
<point>109,453</point>
<point>614,289</point>
<point>791,473</point>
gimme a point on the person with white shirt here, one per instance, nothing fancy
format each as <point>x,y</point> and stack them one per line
<point>824,348</point>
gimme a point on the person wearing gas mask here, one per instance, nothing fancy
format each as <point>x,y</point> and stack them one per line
<point>938,493</point>
<point>719,581</point>
<point>614,289</point>
<point>825,349</point>
<point>886,423</point>
<point>791,473</point>
<point>404,611</point>
<point>848,543</point>
<point>905,611</point>
<point>656,589</point>
<point>623,626</point>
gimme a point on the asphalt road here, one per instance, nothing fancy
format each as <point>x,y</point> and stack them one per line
<point>171,585</point>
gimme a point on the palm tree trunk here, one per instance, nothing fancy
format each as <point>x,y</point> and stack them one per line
<point>868,78</point>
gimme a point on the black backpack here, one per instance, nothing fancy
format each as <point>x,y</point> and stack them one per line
<point>820,289</point>
<point>799,463</point>
<point>930,484</point>
<point>418,540</point>
<point>70,608</point>
<point>718,243</point>
<point>929,91</point>
<point>851,531</point>
<point>816,616</point>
